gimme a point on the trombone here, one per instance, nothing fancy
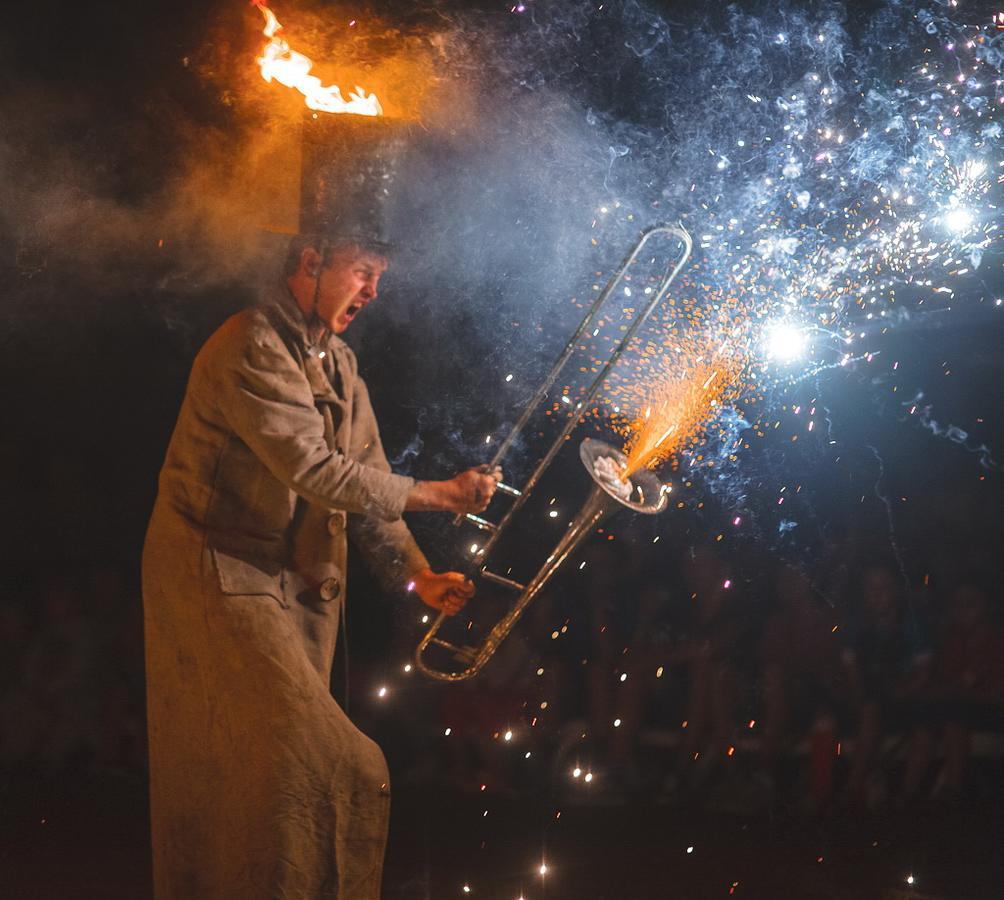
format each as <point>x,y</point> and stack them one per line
<point>647,495</point>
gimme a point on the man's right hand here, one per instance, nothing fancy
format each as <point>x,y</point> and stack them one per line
<point>468,492</point>
<point>474,489</point>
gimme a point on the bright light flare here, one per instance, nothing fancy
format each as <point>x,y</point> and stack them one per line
<point>958,220</point>
<point>785,342</point>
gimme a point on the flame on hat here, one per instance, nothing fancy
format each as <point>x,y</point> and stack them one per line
<point>279,62</point>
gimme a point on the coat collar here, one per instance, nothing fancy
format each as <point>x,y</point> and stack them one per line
<point>285,315</point>
<point>282,309</point>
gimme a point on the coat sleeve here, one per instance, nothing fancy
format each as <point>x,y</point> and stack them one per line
<point>269,405</point>
<point>388,546</point>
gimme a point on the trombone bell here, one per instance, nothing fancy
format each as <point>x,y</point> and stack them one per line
<point>646,494</point>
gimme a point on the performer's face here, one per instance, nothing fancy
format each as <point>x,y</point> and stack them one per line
<point>347,286</point>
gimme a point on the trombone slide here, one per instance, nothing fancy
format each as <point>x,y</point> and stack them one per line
<point>598,505</point>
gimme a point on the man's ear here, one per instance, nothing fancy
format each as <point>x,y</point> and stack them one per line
<point>310,262</point>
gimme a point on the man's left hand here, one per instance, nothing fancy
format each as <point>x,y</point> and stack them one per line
<point>446,591</point>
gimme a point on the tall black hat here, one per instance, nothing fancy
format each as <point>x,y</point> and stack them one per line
<point>349,166</point>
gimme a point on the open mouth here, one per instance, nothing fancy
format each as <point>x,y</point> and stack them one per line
<point>353,309</point>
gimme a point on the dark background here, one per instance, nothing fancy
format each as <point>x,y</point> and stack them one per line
<point>100,326</point>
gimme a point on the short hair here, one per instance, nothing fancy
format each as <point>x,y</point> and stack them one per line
<point>328,247</point>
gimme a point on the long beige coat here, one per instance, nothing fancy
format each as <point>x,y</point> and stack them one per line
<point>260,786</point>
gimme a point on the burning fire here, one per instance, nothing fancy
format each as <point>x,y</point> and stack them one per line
<point>680,408</point>
<point>279,62</point>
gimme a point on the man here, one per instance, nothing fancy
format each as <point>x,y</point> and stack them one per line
<point>260,785</point>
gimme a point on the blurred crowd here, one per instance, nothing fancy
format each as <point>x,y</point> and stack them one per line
<point>741,684</point>
<point>71,690</point>
<point>684,675</point>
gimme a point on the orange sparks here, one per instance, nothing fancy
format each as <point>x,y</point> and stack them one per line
<point>680,406</point>
<point>667,396</point>
<point>279,62</point>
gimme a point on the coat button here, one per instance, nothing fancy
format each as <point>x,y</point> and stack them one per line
<point>336,523</point>
<point>330,589</point>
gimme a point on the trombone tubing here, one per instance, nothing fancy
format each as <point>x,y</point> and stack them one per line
<point>593,511</point>
<point>597,382</point>
<point>562,360</point>
<point>585,518</point>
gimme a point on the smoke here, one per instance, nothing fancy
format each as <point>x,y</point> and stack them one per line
<point>545,140</point>
<point>535,122</point>
<point>196,184</point>
<point>950,432</point>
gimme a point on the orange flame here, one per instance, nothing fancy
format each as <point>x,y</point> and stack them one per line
<point>279,62</point>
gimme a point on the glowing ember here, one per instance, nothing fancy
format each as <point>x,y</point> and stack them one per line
<point>279,62</point>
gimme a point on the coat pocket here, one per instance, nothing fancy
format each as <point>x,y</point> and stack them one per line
<point>240,577</point>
